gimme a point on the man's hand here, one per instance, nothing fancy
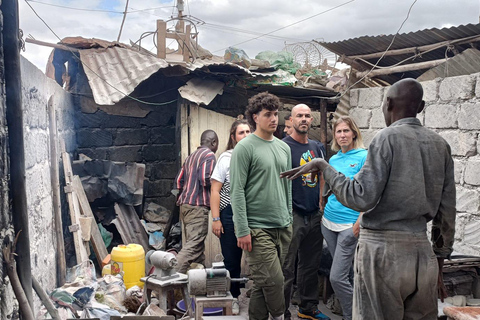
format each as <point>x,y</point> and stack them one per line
<point>442,290</point>
<point>217,228</point>
<point>314,166</point>
<point>245,242</point>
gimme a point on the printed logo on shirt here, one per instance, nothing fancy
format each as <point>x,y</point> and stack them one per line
<point>353,165</point>
<point>309,180</point>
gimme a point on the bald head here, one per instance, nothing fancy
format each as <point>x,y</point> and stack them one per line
<point>301,121</point>
<point>209,139</point>
<point>300,107</point>
<point>403,100</point>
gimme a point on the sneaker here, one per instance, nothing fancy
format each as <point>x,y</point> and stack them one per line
<point>317,314</point>
<point>235,307</point>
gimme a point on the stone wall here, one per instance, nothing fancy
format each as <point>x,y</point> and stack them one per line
<point>150,140</point>
<point>37,90</point>
<point>453,110</point>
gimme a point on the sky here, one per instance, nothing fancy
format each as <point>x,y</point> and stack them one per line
<point>224,23</point>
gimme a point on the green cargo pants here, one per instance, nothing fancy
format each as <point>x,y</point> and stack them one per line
<point>269,248</point>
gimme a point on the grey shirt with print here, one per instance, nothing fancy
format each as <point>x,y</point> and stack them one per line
<point>407,180</point>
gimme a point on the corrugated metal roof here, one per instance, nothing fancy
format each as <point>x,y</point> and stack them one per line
<point>373,44</point>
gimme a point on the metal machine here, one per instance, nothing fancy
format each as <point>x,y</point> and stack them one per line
<point>212,282</point>
<point>164,263</point>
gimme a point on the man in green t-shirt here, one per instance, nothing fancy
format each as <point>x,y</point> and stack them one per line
<point>262,205</point>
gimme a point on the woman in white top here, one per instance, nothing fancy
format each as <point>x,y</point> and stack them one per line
<point>222,215</point>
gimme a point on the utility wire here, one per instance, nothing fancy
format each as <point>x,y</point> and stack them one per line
<point>93,71</point>
<point>287,26</point>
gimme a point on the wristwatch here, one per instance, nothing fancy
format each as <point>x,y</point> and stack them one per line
<point>216,219</point>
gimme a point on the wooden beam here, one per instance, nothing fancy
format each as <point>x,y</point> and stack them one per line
<point>186,45</point>
<point>405,68</point>
<point>419,49</point>
<point>52,45</point>
<point>161,39</point>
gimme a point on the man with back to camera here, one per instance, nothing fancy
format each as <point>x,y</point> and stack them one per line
<point>193,181</point>
<point>307,239</point>
<point>262,205</point>
<point>407,180</point>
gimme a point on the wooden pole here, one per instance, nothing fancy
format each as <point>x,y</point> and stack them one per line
<point>18,194</point>
<point>55,181</point>
<point>186,45</point>
<point>416,49</point>
<point>161,39</point>
<point>323,123</point>
<point>52,45</point>
<point>45,299</point>
<point>405,68</point>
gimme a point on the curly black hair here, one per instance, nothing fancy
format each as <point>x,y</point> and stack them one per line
<point>258,102</point>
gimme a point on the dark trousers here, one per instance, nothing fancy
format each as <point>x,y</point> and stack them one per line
<point>307,244</point>
<point>232,254</point>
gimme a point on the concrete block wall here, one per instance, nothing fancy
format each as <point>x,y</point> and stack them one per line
<point>37,90</point>
<point>149,140</point>
<point>453,110</point>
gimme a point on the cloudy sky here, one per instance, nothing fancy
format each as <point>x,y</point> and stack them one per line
<point>224,23</point>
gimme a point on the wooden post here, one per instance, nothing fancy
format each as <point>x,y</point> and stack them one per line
<point>404,68</point>
<point>323,123</point>
<point>55,181</point>
<point>161,39</point>
<point>186,45</point>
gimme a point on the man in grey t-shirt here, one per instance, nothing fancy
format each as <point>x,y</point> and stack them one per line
<point>407,181</point>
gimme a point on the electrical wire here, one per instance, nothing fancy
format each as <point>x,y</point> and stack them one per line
<point>287,26</point>
<point>93,71</point>
<point>379,59</point>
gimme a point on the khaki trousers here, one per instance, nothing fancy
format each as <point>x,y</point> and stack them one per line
<point>269,248</point>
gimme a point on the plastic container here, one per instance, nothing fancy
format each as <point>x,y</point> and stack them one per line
<point>129,259</point>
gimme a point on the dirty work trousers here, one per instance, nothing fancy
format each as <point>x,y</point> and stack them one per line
<point>307,243</point>
<point>195,225</point>
<point>342,248</point>
<point>269,248</point>
<point>396,276</point>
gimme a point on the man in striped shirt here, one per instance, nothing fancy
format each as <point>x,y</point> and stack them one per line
<point>193,182</point>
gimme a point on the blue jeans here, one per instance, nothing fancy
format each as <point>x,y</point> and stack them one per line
<point>342,248</point>
<point>232,254</point>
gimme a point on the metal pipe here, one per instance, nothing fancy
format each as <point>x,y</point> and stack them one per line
<point>13,89</point>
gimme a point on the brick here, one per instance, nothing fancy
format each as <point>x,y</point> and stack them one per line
<point>362,117</point>
<point>36,147</point>
<point>163,135</point>
<point>477,86</point>
<point>454,88</point>
<point>471,232</point>
<point>162,170</point>
<point>430,92</point>
<point>459,168</point>
<point>122,122</point>
<point>441,116</point>
<point>131,137</point>
<point>467,200</point>
<point>472,172</point>
<point>88,138</point>
<point>159,152</point>
<point>469,116</point>
<point>91,120</point>
<point>125,154</point>
<point>367,136</point>
<point>371,97</point>
<point>165,117</point>
<point>159,188</point>
<point>317,118</point>
<point>354,98</point>
<point>378,119</point>
<point>462,143</point>
<point>94,153</point>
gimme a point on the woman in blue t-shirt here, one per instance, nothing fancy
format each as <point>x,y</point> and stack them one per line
<point>340,225</point>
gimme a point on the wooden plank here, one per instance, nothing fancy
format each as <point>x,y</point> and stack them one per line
<point>96,237</point>
<point>404,68</point>
<point>186,45</point>
<point>161,39</point>
<point>74,209</point>
<point>56,202</point>
<point>129,226</point>
<point>184,132</point>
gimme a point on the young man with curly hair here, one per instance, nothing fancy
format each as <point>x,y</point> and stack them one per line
<point>262,205</point>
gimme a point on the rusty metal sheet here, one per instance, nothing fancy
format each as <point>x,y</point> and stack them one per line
<point>129,226</point>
